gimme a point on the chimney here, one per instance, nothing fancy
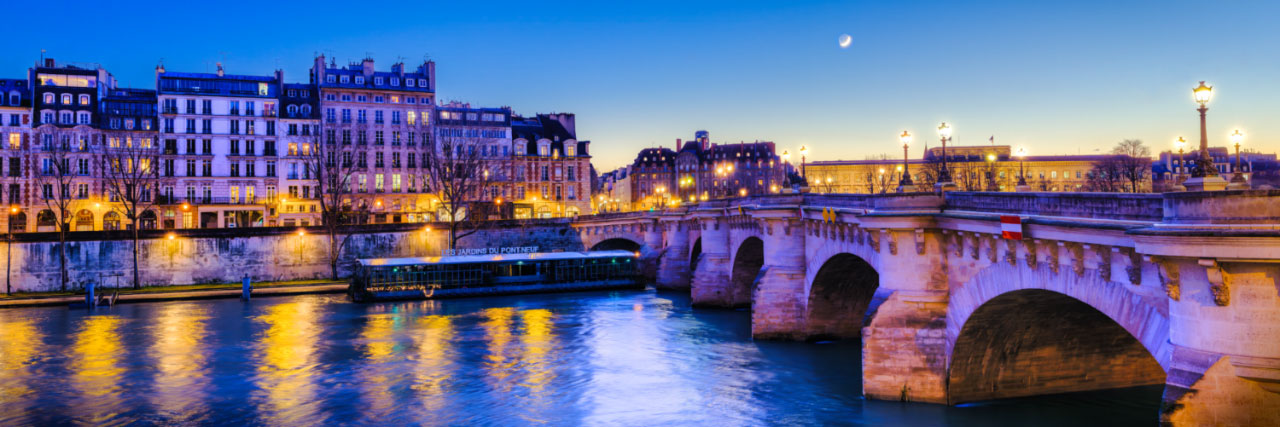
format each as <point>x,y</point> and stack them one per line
<point>366,67</point>
<point>220,72</point>
<point>678,144</point>
<point>48,62</point>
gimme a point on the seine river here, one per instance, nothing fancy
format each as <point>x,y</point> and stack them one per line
<point>636,358</point>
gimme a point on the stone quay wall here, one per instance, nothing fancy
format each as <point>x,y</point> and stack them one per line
<point>264,254</point>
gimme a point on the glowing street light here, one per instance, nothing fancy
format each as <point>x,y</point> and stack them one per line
<point>944,176</point>
<point>1204,177</point>
<point>804,152</point>
<point>905,184</point>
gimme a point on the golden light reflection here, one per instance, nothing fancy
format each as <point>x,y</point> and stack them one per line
<point>497,330</point>
<point>287,354</point>
<point>379,348</point>
<point>435,361</point>
<point>20,345</point>
<point>96,368</point>
<point>537,343</point>
<point>181,361</point>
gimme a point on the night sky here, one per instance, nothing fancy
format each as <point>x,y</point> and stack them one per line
<point>1056,77</point>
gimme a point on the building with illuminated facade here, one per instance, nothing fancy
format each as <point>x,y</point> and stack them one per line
<point>551,175</point>
<point>381,119</point>
<point>703,170</point>
<point>216,128</point>
<point>15,140</point>
<point>296,204</point>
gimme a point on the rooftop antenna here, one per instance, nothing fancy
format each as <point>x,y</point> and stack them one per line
<point>42,56</point>
<point>222,57</point>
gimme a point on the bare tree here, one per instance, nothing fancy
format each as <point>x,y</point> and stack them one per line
<point>1107,175</point>
<point>333,168</point>
<point>458,173</point>
<point>54,178</point>
<point>130,172</point>
<point>1133,164</point>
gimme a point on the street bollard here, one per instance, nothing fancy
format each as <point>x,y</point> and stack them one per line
<point>246,288</point>
<point>89,300</point>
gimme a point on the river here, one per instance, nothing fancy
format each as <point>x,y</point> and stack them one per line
<point>639,358</point>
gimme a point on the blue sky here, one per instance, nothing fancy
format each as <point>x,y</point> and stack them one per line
<point>1055,77</point>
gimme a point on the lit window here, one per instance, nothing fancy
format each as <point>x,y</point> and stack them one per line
<point>570,150</point>
<point>48,98</point>
<point>66,99</point>
<point>395,99</point>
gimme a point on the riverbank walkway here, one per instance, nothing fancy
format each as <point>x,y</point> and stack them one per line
<point>174,293</point>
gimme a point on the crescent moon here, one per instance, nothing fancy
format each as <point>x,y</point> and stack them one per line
<point>845,41</point>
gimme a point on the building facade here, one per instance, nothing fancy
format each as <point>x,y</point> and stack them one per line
<point>551,167</point>
<point>702,170</point>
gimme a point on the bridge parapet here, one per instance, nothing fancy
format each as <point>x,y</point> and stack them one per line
<point>1120,206</point>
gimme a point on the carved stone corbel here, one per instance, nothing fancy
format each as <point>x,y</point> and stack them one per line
<point>958,240</point>
<point>1219,281</point>
<point>1032,258</point>
<point>1170,277</point>
<point>1104,261</point>
<point>1054,260</point>
<point>1077,255</point>
<point>919,241</point>
<point>992,248</point>
<point>1011,252</point>
<point>873,240</point>
<point>893,241</point>
<point>1135,267</point>
<point>975,247</point>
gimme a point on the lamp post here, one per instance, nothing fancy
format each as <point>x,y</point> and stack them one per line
<point>991,172</point>
<point>804,152</point>
<point>8,285</point>
<point>944,176</point>
<point>905,185</point>
<point>1237,177</point>
<point>1182,162</point>
<point>1022,174</point>
<point>1204,177</point>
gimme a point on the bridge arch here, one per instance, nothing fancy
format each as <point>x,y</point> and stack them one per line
<point>839,295</point>
<point>748,260</point>
<point>694,252</point>
<point>1014,331</point>
<point>617,243</point>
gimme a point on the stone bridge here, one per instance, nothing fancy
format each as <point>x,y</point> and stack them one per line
<point>1102,291</point>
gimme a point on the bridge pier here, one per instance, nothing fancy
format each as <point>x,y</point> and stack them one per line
<point>650,253</point>
<point>673,267</point>
<point>778,303</point>
<point>710,286</point>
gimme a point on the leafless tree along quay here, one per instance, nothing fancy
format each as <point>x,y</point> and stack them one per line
<point>130,173</point>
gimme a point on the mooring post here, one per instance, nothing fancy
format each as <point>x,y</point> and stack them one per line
<point>89,299</point>
<point>246,288</point>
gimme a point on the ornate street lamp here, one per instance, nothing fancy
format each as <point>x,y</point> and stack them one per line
<point>991,172</point>
<point>905,185</point>
<point>1022,175</point>
<point>944,176</point>
<point>1204,177</point>
<point>804,152</point>
<point>1237,178</point>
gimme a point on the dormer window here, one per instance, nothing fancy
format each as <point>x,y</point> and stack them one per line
<point>306,93</point>
<point>359,80</point>
<point>15,98</point>
<point>345,79</point>
<point>408,82</point>
<point>570,151</point>
<point>422,82</point>
<point>395,81</point>
<point>293,93</point>
<point>329,78</point>
<point>377,81</point>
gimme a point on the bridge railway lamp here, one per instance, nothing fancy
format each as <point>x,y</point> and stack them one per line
<point>991,172</point>
<point>905,184</point>
<point>944,176</point>
<point>1237,179</point>
<point>1204,165</point>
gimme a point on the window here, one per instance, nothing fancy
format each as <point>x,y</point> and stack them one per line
<point>570,150</point>
<point>66,99</point>
<point>84,118</point>
<point>408,82</point>
<point>345,79</point>
<point>48,98</point>
<point>84,99</point>
<point>359,80</point>
<point>395,81</point>
<point>422,83</point>
<point>328,78</point>
<point>377,81</point>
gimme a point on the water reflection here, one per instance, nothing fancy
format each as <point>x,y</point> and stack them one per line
<point>536,344</point>
<point>435,362</point>
<point>180,357</point>
<point>96,369</point>
<point>378,376</point>
<point>497,363</point>
<point>287,353</point>
<point>20,345</point>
